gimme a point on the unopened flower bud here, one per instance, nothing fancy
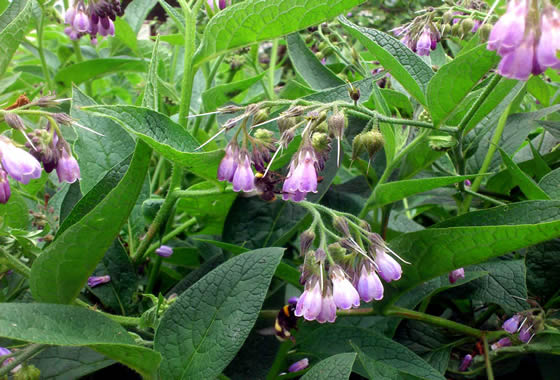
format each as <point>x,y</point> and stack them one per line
<point>456,275</point>
<point>94,281</point>
<point>264,135</point>
<point>337,123</point>
<point>512,324</point>
<point>305,240</point>
<point>27,372</point>
<point>446,30</point>
<point>447,17</point>
<point>14,121</point>
<point>465,363</point>
<point>299,365</point>
<point>287,137</point>
<point>467,25</point>
<point>373,142</point>
<point>358,146</point>
<point>286,123</point>
<point>484,32</point>
<point>341,224</point>
<point>354,94</point>
<point>336,251</point>
<point>62,118</point>
<point>456,30</point>
<point>441,143</point>
<point>164,251</point>
<point>365,225</point>
<point>260,117</point>
<point>322,127</point>
<point>320,142</point>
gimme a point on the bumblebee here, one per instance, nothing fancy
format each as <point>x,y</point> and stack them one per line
<point>286,320</point>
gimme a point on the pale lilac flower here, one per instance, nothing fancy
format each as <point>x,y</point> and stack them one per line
<point>521,62</point>
<point>293,300</point>
<point>299,365</point>
<point>549,43</point>
<point>227,167</point>
<point>106,27</point>
<point>389,269</point>
<point>328,309</point>
<point>465,363</point>
<point>69,16</point>
<point>509,31</point>
<point>81,22</point>
<point>424,43</point>
<point>310,302</point>
<point>164,251</point>
<point>525,334</point>
<point>302,177</point>
<point>512,324</point>
<point>504,342</point>
<point>476,25</point>
<point>19,164</point>
<point>344,293</point>
<point>243,178</point>
<point>72,33</point>
<point>456,275</point>
<point>369,285</point>
<point>222,4</point>
<point>94,281</point>
<point>5,191</point>
<point>4,351</point>
<point>67,168</point>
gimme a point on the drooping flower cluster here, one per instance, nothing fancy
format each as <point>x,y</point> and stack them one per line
<point>95,17</point>
<point>421,37</point>
<point>527,39</point>
<point>521,324</point>
<point>344,273</point>
<point>302,176</point>
<point>3,352</point>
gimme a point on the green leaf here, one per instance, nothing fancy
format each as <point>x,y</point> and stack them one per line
<point>526,183</point>
<point>95,68</point>
<point>317,75</point>
<point>84,205</point>
<point>176,16</point>
<point>165,136</point>
<point>394,191</point>
<point>475,238</point>
<point>151,98</point>
<point>60,272</point>
<point>333,339</point>
<point>219,95</point>
<point>65,325</point>
<point>259,20</point>
<point>336,367</point>
<point>63,363</point>
<point>117,294</point>
<point>125,33</point>
<point>445,99</point>
<point>537,87</point>
<point>550,184</point>
<point>97,155</point>
<point>13,25</point>
<point>136,12</point>
<point>376,369</point>
<point>505,285</point>
<point>15,213</point>
<point>405,66</point>
<point>543,267</point>
<point>203,330</point>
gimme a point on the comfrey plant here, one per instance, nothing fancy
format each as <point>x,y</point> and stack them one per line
<point>93,18</point>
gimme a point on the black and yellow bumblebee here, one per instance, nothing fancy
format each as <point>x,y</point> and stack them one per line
<point>285,321</point>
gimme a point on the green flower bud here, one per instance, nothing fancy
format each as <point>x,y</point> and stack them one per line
<point>447,17</point>
<point>337,123</point>
<point>286,123</point>
<point>320,142</point>
<point>354,94</point>
<point>323,128</point>
<point>446,30</point>
<point>441,143</point>
<point>264,135</point>
<point>358,146</point>
<point>425,116</point>
<point>320,55</point>
<point>322,46</point>
<point>28,372</point>
<point>260,116</point>
<point>485,32</point>
<point>373,142</point>
<point>336,251</point>
<point>467,25</point>
<point>456,30</point>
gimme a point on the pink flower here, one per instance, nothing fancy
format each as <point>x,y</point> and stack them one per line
<point>344,293</point>
<point>310,303</point>
<point>227,167</point>
<point>389,269</point>
<point>302,177</point>
<point>328,309</point>
<point>509,31</point>
<point>456,274</point>
<point>67,168</point>
<point>243,178</point>
<point>369,285</point>
<point>549,43</point>
<point>19,164</point>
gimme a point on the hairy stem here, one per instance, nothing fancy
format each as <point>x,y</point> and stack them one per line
<point>15,264</point>
<point>23,355</point>
<point>489,372</point>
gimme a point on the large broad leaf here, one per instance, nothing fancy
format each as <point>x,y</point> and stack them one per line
<point>444,99</point>
<point>96,68</point>
<point>13,24</point>
<point>60,272</point>
<point>203,330</point>
<point>63,363</point>
<point>317,75</point>
<point>334,339</point>
<point>394,191</point>
<point>219,95</point>
<point>65,325</point>
<point>475,238</point>
<point>403,64</point>
<point>97,154</point>
<point>136,12</point>
<point>550,183</point>
<point>258,20</point>
<point>526,183</point>
<point>166,137</point>
<point>336,367</point>
<point>543,267</point>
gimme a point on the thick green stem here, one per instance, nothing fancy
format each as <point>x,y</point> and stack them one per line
<point>389,169</point>
<point>25,354</point>
<point>487,90</point>
<point>487,160</point>
<point>153,274</point>
<point>40,49</point>
<point>121,319</point>
<point>15,264</point>
<point>272,68</point>
<point>489,372</point>
<point>438,321</point>
<point>280,360</point>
